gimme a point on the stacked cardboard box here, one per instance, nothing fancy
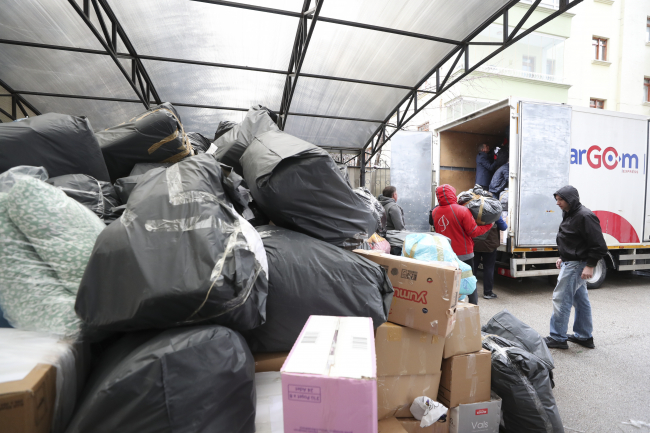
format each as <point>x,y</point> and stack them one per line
<point>466,376</point>
<point>410,345</point>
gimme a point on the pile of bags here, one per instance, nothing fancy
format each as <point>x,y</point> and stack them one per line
<point>485,208</point>
<point>144,243</point>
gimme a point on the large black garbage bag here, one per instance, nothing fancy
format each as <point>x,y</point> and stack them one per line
<point>485,208</point>
<point>232,144</point>
<point>187,380</point>
<point>156,135</point>
<point>199,142</point>
<point>179,254</point>
<point>375,208</point>
<point>223,127</point>
<point>523,382</point>
<point>308,276</point>
<point>299,187</point>
<point>62,144</point>
<point>505,325</point>
<point>124,186</point>
<point>97,195</point>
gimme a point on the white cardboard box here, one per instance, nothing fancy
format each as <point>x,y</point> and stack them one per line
<point>483,417</point>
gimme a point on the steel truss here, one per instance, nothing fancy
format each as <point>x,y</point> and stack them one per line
<point>111,33</point>
<point>411,101</point>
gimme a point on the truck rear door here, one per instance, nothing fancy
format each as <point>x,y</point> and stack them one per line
<point>544,162</point>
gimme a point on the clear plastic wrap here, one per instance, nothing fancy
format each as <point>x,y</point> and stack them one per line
<point>374,206</point>
<point>23,350</point>
<point>97,195</point>
<point>430,248</point>
<point>46,239</point>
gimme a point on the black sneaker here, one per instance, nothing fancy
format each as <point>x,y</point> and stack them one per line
<point>554,344</point>
<point>490,296</point>
<point>588,343</point>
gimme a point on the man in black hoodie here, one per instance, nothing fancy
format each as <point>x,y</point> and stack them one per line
<point>581,245</point>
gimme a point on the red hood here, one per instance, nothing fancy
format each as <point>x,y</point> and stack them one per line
<point>446,195</point>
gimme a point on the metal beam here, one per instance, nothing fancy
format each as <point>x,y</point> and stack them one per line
<point>178,104</point>
<point>202,63</point>
<point>458,51</point>
<point>19,97</point>
<point>331,20</point>
<point>301,44</point>
<point>139,79</point>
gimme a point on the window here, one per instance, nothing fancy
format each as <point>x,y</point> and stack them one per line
<point>528,63</point>
<point>646,89</point>
<point>424,127</point>
<point>550,66</point>
<point>597,103</point>
<point>647,30</point>
<point>600,48</point>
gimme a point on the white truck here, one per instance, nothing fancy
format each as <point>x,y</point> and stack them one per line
<point>604,154</point>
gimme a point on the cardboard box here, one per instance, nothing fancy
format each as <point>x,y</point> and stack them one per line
<point>329,378</point>
<point>391,425</point>
<point>265,362</point>
<point>466,335</point>
<point>411,425</point>
<point>27,405</point>
<point>481,417</point>
<point>465,379</point>
<point>395,394</point>
<point>405,351</point>
<point>426,293</point>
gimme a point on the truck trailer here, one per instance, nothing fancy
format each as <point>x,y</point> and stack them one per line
<point>604,154</point>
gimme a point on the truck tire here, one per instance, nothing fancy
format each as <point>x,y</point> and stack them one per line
<point>600,272</point>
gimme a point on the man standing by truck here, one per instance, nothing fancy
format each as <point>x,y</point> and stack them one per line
<point>581,245</point>
<point>458,224</point>
<point>486,165</point>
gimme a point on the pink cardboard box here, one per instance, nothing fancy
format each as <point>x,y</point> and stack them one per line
<point>329,380</point>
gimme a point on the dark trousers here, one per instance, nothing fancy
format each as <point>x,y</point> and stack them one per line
<point>473,298</point>
<point>489,260</point>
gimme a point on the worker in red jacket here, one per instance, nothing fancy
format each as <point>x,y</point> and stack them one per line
<point>458,224</point>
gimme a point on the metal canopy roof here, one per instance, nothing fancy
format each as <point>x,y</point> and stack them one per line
<point>336,71</point>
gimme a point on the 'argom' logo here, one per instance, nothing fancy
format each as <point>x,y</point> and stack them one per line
<point>410,295</point>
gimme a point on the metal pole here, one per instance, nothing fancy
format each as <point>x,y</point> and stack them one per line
<point>362,168</point>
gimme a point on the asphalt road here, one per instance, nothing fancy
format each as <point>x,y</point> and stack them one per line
<point>601,389</point>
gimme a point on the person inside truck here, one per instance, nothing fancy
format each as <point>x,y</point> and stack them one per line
<point>486,165</point>
<point>394,213</point>
<point>458,224</point>
<point>581,245</point>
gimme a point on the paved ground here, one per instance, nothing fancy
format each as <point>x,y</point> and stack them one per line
<point>596,390</point>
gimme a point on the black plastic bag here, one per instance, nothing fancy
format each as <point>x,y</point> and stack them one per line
<point>143,167</point>
<point>299,187</point>
<point>60,143</point>
<point>124,186</point>
<point>375,207</point>
<point>223,127</point>
<point>200,143</point>
<point>485,208</point>
<point>188,380</point>
<point>232,144</point>
<point>153,136</point>
<point>505,325</point>
<point>178,255</point>
<point>308,276</point>
<point>523,382</point>
<point>97,195</point>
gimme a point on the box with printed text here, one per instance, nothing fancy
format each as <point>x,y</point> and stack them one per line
<point>483,417</point>
<point>426,293</point>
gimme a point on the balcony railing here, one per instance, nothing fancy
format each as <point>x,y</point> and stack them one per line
<point>521,74</point>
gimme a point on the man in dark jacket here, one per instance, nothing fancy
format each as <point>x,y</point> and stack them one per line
<point>485,250</point>
<point>485,166</point>
<point>581,245</point>
<point>394,214</point>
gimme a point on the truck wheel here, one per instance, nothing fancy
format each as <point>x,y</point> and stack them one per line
<point>600,272</point>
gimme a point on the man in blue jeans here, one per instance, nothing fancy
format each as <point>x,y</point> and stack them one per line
<point>581,245</point>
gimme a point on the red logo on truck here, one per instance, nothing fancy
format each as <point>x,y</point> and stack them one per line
<point>481,411</point>
<point>411,295</point>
